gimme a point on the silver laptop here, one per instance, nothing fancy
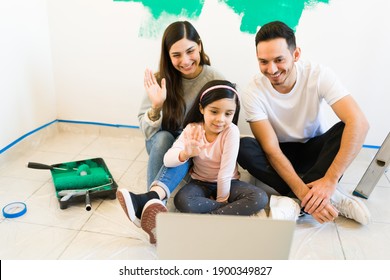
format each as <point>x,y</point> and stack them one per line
<point>214,237</point>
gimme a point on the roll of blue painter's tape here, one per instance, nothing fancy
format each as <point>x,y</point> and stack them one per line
<point>14,210</point>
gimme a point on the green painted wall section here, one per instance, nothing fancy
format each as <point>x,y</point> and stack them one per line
<point>258,12</point>
<point>188,8</point>
<point>253,13</point>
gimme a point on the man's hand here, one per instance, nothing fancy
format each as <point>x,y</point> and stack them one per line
<point>327,214</point>
<point>318,196</point>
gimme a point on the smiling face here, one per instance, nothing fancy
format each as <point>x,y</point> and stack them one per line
<point>185,57</point>
<point>217,116</point>
<point>276,62</point>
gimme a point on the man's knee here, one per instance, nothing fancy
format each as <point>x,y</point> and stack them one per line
<point>248,146</point>
<point>247,141</point>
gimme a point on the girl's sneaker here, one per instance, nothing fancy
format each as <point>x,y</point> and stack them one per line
<point>129,205</point>
<point>148,218</point>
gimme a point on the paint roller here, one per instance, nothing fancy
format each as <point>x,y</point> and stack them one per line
<point>76,178</point>
<point>92,177</point>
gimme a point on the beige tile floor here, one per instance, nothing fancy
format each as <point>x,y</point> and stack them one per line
<point>46,232</point>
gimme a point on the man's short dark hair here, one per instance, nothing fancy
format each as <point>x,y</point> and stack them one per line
<point>274,30</point>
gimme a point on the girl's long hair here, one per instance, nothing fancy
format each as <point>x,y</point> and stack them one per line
<point>174,106</point>
<point>194,115</point>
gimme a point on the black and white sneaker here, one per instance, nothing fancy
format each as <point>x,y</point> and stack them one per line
<point>128,205</point>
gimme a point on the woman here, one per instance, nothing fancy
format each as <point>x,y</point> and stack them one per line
<point>184,69</point>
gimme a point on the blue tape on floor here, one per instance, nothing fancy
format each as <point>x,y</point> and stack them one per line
<point>24,136</point>
<point>97,123</point>
<point>14,210</point>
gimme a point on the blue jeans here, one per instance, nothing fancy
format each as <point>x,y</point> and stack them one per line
<point>156,147</point>
<point>170,177</point>
<point>157,173</point>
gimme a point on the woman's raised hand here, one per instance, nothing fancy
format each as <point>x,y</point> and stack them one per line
<point>156,93</point>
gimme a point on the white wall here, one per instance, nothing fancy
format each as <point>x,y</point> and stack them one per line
<point>26,79</point>
<point>351,36</point>
<point>99,56</point>
<point>98,59</point>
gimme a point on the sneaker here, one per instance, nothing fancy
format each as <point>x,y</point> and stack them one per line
<point>350,207</point>
<point>148,218</point>
<point>127,204</point>
<point>262,214</point>
<point>283,208</point>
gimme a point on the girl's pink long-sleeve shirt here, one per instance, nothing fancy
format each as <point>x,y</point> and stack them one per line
<point>217,162</point>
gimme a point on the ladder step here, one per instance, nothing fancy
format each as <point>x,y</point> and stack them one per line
<point>374,171</point>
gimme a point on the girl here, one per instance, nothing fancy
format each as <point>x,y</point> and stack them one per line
<point>211,140</point>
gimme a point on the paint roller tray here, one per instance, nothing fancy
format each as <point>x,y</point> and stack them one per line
<point>74,180</point>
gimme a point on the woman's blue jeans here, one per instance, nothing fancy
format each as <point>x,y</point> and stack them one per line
<point>170,177</point>
<point>156,147</point>
<point>157,174</point>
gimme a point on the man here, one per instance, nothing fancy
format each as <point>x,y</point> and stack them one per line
<point>293,149</point>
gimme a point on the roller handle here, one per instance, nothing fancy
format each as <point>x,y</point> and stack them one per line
<point>37,165</point>
<point>88,205</point>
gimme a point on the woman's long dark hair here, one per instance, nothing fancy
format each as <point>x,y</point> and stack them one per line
<point>194,115</point>
<point>174,106</point>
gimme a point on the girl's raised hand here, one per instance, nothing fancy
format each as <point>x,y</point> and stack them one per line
<point>193,140</point>
<point>156,94</point>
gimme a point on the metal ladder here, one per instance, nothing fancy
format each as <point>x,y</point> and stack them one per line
<point>374,171</point>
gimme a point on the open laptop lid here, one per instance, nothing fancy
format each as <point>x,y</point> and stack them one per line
<point>214,237</point>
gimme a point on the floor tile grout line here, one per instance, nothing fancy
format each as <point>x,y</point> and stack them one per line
<point>67,246</point>
<point>340,241</point>
<point>79,154</point>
